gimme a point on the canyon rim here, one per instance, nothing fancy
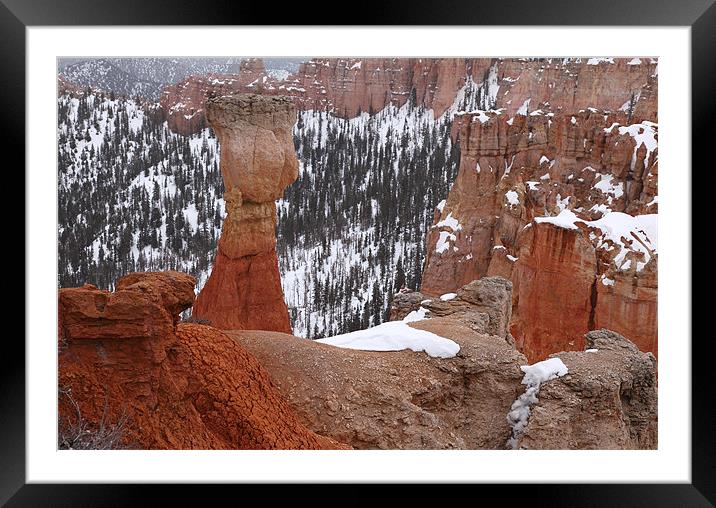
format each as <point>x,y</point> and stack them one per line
<point>358,253</point>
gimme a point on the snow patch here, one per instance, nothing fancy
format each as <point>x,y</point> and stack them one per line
<point>416,315</point>
<point>597,61</point>
<point>443,242</point>
<point>619,231</point>
<point>523,109</point>
<point>395,336</point>
<point>448,296</point>
<point>512,198</point>
<point>535,375</point>
<point>450,222</point>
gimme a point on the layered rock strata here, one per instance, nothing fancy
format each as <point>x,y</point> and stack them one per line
<point>565,206</point>
<point>126,366</point>
<point>347,87</point>
<point>258,161</point>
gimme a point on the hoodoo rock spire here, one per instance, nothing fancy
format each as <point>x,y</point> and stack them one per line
<point>258,161</point>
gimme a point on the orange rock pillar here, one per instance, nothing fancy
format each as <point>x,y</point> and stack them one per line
<point>258,161</point>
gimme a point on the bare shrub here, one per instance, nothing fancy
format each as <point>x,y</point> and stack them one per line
<point>79,434</point>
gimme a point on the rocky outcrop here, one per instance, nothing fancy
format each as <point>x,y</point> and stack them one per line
<point>607,400</point>
<point>348,87</point>
<point>397,400</point>
<point>144,306</point>
<point>126,364</point>
<point>563,205</point>
<point>258,161</point>
<point>127,367</point>
<point>404,399</point>
<point>483,305</point>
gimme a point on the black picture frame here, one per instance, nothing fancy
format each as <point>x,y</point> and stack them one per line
<point>700,15</point>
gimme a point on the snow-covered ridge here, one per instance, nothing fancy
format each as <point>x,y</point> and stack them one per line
<point>342,259</point>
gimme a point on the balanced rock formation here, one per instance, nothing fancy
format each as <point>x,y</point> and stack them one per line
<point>607,400</point>
<point>347,87</point>
<point>129,370</point>
<point>404,399</point>
<point>565,206</point>
<point>258,161</point>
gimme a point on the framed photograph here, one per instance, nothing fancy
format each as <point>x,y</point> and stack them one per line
<point>359,254</point>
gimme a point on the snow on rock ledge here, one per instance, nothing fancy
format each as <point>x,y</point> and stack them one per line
<point>608,400</point>
<point>620,233</point>
<point>396,336</point>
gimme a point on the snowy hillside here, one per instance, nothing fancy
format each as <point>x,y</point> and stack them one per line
<point>135,196</point>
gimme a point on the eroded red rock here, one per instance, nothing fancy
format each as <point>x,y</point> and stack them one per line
<point>258,161</point>
<point>348,87</point>
<point>187,386</point>
<point>514,169</point>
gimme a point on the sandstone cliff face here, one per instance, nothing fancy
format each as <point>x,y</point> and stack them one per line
<point>348,87</point>
<point>178,386</point>
<point>608,400</point>
<point>258,161</point>
<point>542,198</point>
<point>403,399</point>
<point>572,84</point>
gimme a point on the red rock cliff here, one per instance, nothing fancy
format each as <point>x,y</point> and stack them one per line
<point>258,161</point>
<point>131,376</point>
<point>349,86</point>
<point>564,205</point>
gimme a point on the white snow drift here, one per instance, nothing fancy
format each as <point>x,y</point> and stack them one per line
<point>396,336</point>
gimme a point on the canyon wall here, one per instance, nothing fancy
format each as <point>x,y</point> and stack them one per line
<point>565,206</point>
<point>575,136</point>
<point>348,87</point>
<point>258,161</point>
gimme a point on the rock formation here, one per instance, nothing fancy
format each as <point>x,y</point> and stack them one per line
<point>348,87</point>
<point>406,400</point>
<point>484,305</point>
<point>258,161</point>
<point>125,362</point>
<point>607,400</point>
<point>409,400</point>
<point>542,199</point>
